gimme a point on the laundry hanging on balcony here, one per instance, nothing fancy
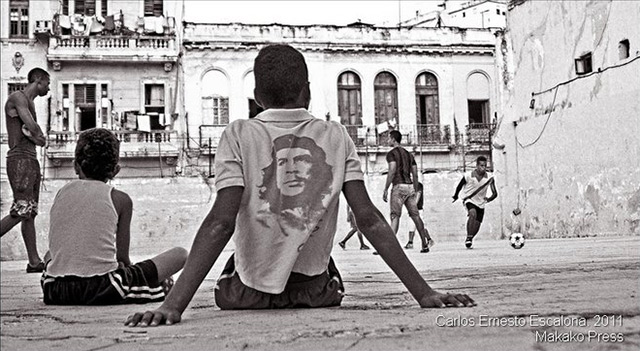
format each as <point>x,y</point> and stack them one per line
<point>160,24</point>
<point>78,26</point>
<point>109,23</point>
<point>144,123</point>
<point>96,26</point>
<point>149,24</point>
<point>130,121</point>
<point>64,21</point>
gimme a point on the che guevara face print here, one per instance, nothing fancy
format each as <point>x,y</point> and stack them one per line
<point>295,183</point>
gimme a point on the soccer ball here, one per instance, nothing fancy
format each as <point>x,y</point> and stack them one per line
<point>516,240</point>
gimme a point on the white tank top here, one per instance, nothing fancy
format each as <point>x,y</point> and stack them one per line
<point>82,231</point>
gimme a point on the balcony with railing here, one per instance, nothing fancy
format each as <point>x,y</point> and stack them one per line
<point>133,144</point>
<point>82,38</point>
<point>112,48</point>
<point>430,136</point>
<point>480,133</point>
<point>209,137</point>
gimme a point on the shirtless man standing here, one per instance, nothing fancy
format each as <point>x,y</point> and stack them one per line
<point>23,169</point>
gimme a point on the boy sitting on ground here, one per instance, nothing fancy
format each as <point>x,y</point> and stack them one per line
<point>88,258</point>
<point>279,177</point>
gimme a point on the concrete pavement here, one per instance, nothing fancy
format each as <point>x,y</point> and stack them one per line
<point>554,294</point>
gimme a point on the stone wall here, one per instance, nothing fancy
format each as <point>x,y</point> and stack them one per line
<point>570,159</point>
<point>168,211</point>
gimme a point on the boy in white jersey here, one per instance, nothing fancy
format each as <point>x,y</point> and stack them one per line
<point>89,237</point>
<point>279,177</point>
<point>475,184</point>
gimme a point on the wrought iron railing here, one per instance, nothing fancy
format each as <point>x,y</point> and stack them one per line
<point>124,136</point>
<point>115,42</point>
<point>421,134</point>
<point>209,135</point>
<point>480,133</point>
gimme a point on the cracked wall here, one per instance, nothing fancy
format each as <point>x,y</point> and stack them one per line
<point>571,161</point>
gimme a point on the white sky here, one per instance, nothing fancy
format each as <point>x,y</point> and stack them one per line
<point>382,13</point>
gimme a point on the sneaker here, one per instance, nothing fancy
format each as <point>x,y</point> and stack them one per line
<point>364,247</point>
<point>38,268</point>
<point>468,243</point>
<point>409,245</point>
<point>431,243</point>
<point>342,245</point>
<point>425,249</point>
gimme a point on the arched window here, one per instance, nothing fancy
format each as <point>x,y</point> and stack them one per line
<point>427,105</point>
<point>215,98</point>
<point>386,98</point>
<point>478,100</point>
<point>349,99</point>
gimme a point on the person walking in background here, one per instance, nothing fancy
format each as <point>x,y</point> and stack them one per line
<point>419,204</point>
<point>23,168</point>
<point>88,260</point>
<point>475,184</point>
<point>354,229</point>
<point>403,174</point>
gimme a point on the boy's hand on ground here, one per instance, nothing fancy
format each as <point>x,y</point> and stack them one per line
<point>154,318</point>
<point>439,300</point>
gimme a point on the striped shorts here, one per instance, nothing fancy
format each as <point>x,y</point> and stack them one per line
<point>137,283</point>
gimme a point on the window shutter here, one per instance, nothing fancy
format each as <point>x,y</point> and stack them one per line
<point>91,93</point>
<point>153,7</point>
<point>19,3</point>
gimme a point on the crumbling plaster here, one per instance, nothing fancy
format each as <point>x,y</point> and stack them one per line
<point>572,162</point>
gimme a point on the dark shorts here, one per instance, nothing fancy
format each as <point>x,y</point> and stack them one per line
<point>24,178</point>
<point>479,211</point>
<point>301,291</point>
<point>137,283</point>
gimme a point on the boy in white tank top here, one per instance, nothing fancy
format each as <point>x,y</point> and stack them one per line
<point>88,260</point>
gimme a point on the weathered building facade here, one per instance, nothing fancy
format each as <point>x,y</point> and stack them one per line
<point>167,91</point>
<point>21,51</point>
<point>568,145</point>
<point>112,65</point>
<point>435,85</point>
<point>463,14</point>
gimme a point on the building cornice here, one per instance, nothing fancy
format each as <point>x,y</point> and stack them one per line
<point>323,38</point>
<point>347,48</point>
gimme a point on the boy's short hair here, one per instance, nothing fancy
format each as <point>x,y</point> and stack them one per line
<point>98,153</point>
<point>36,73</point>
<point>281,73</point>
<point>480,159</point>
<point>396,135</point>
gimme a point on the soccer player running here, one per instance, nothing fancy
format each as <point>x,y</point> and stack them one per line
<point>475,185</point>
